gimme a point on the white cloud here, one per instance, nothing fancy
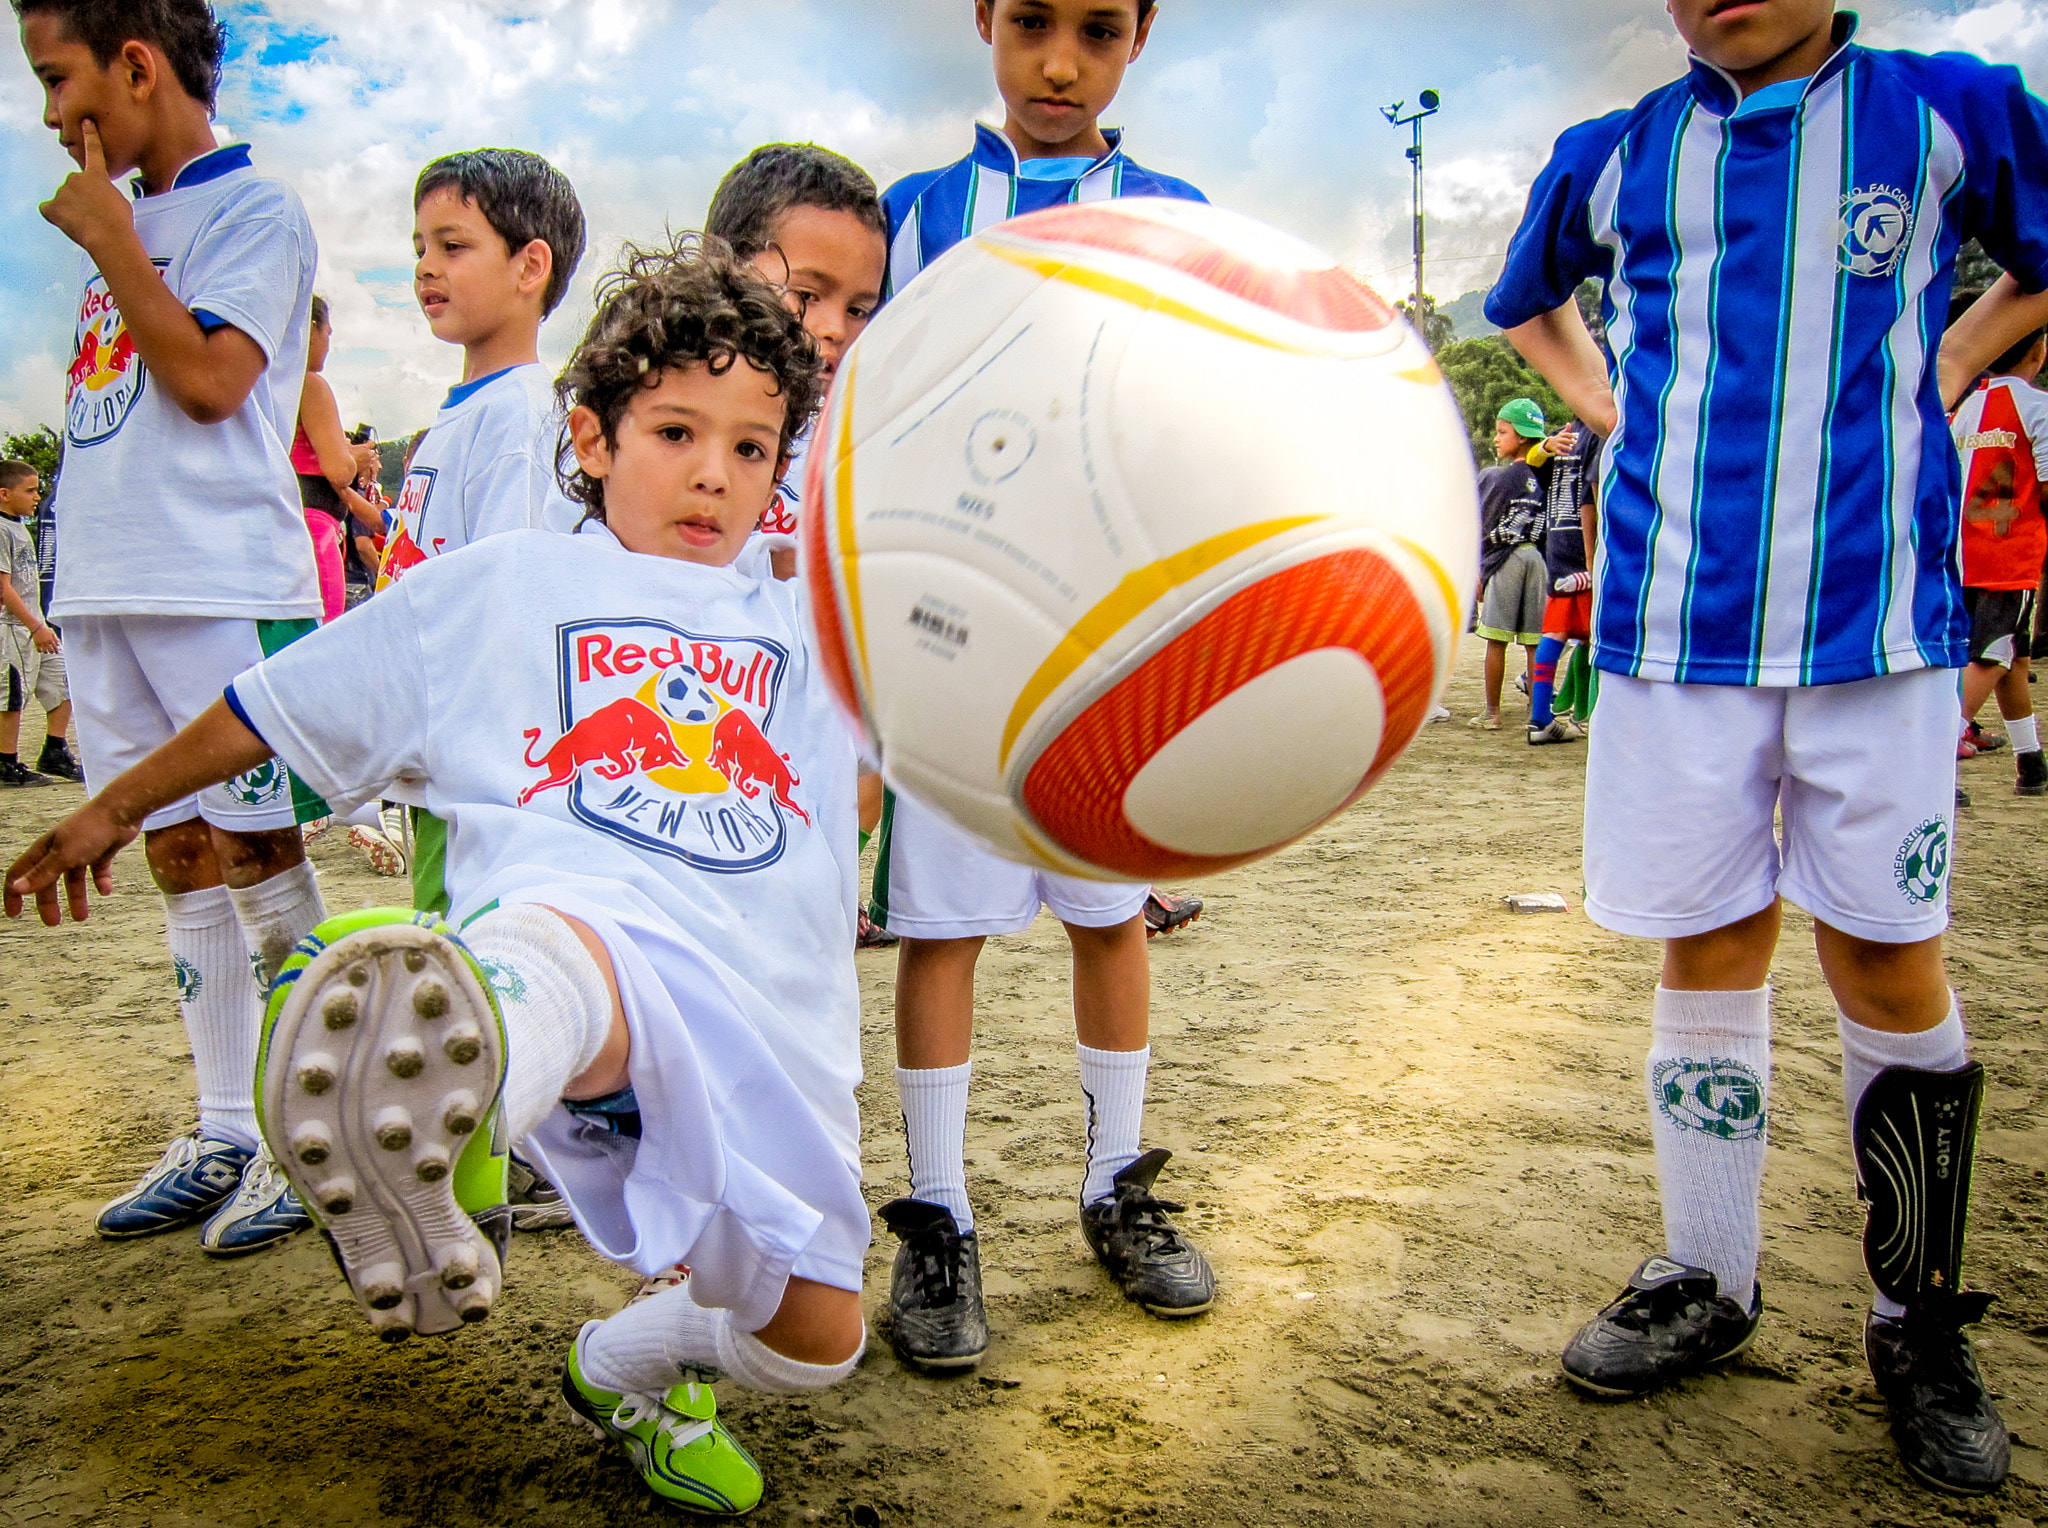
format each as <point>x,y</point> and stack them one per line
<point>1272,108</point>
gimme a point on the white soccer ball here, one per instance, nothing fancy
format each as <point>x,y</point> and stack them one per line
<point>1139,537</point>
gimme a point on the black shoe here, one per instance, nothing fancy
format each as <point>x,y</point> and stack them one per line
<point>1962,796</point>
<point>13,772</point>
<point>935,1290</point>
<point>1165,912</point>
<point>2032,774</point>
<point>537,1205</point>
<point>870,935</point>
<point>57,761</point>
<point>1949,1434</point>
<point>1142,1249</point>
<point>1672,1321</point>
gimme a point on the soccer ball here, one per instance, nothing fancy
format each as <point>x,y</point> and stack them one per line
<point>1138,537</point>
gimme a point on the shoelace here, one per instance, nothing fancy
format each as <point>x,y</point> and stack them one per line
<point>1144,1216</point>
<point>937,1269</point>
<point>682,1430</point>
<point>261,1180</point>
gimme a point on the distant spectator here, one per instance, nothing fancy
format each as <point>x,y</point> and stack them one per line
<point>1511,570</point>
<point>31,658</point>
<point>328,467</point>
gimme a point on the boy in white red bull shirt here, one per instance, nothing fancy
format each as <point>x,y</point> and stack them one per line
<point>650,800</point>
<point>185,551</point>
<point>2001,430</point>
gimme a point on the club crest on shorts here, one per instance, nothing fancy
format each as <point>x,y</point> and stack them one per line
<point>267,782</point>
<point>664,741</point>
<point>1713,1095</point>
<point>1921,866</point>
<point>1877,225</point>
<point>106,375</point>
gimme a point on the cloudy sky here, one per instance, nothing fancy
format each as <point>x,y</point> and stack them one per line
<point>1271,106</point>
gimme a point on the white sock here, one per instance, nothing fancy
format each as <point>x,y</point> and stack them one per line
<point>1866,1052</point>
<point>558,1011</point>
<point>1113,1105</point>
<point>935,1132</point>
<point>2025,732</point>
<point>1708,1077</point>
<point>222,1010</point>
<point>645,1347</point>
<point>759,1367</point>
<point>275,915</point>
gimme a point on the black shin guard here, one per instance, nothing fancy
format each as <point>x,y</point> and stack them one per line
<point>1915,1137</point>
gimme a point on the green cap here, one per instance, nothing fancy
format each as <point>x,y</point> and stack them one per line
<point>1525,416</point>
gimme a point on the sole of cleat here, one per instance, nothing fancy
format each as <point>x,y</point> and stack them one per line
<point>1177,1312</point>
<point>1609,1393</point>
<point>941,1365</point>
<point>368,1114</point>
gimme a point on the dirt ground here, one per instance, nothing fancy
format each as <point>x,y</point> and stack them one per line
<point>1409,1128</point>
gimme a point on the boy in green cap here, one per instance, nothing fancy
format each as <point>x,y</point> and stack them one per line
<point>1511,569</point>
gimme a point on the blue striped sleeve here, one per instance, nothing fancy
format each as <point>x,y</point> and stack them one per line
<point>2004,131</point>
<point>1553,250</point>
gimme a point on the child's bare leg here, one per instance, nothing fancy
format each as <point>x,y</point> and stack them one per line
<point>1979,680</point>
<point>868,796</point>
<point>10,731</point>
<point>1496,675</point>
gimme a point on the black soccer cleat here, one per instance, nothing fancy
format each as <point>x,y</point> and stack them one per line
<point>2030,773</point>
<point>870,935</point>
<point>1165,912</point>
<point>1949,1434</point>
<point>1671,1322</point>
<point>14,773</point>
<point>1135,1240</point>
<point>937,1318</point>
<point>58,762</point>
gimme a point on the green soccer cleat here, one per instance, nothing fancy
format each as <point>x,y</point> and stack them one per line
<point>382,1060</point>
<point>676,1441</point>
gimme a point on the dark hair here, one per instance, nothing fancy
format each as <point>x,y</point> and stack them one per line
<point>777,178</point>
<point>689,303</point>
<point>1965,300</point>
<point>13,473</point>
<point>187,33</point>
<point>319,311</point>
<point>523,198</point>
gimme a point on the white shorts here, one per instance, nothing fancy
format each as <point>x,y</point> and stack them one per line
<point>137,679</point>
<point>29,673</point>
<point>747,1165</point>
<point>934,882</point>
<point>1684,781</point>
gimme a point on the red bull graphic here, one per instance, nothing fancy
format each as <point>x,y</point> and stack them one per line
<point>781,518</point>
<point>106,376</point>
<point>665,742</point>
<point>406,546</point>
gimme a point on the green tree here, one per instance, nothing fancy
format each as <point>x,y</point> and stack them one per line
<point>39,447</point>
<point>1486,373</point>
<point>1432,324</point>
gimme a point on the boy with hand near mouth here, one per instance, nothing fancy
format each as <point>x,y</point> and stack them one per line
<point>1058,64</point>
<point>497,234</point>
<point>1778,623</point>
<point>186,558</point>
<point>669,1029</point>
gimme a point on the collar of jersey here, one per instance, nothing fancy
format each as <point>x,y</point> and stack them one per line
<point>212,165</point>
<point>1716,89</point>
<point>994,151</point>
<point>463,392</point>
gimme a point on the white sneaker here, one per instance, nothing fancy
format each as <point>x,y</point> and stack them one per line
<point>385,857</point>
<point>264,1210</point>
<point>1440,713</point>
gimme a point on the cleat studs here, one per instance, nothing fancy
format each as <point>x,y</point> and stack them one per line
<point>358,976</point>
<point>415,961</point>
<point>405,1058</point>
<point>463,1046</point>
<point>459,1268</point>
<point>340,1010</point>
<point>383,1296</point>
<point>396,1333</point>
<point>392,1127</point>
<point>458,1113</point>
<point>474,1313</point>
<point>430,1167</point>
<point>337,1196</point>
<point>430,1000</point>
<point>473,1303</point>
<point>316,1073</point>
<point>311,1144</point>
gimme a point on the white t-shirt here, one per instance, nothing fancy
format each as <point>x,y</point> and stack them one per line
<point>162,515</point>
<point>625,719</point>
<point>487,464</point>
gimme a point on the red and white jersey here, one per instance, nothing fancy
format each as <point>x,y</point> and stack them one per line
<point>2001,430</point>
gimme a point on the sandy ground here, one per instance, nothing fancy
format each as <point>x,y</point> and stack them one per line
<point>1409,1128</point>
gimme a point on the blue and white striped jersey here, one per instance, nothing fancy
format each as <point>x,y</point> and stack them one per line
<point>933,210</point>
<point>1779,503</point>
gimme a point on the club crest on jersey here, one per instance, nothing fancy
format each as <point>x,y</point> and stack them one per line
<point>106,375</point>
<point>1921,865</point>
<point>664,742</point>
<point>1877,226</point>
<point>1715,1096</point>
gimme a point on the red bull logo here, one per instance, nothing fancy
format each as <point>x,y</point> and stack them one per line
<point>106,375</point>
<point>407,546</point>
<point>780,520</point>
<point>666,742</point>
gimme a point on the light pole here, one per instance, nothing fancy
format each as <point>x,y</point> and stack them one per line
<point>1425,106</point>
